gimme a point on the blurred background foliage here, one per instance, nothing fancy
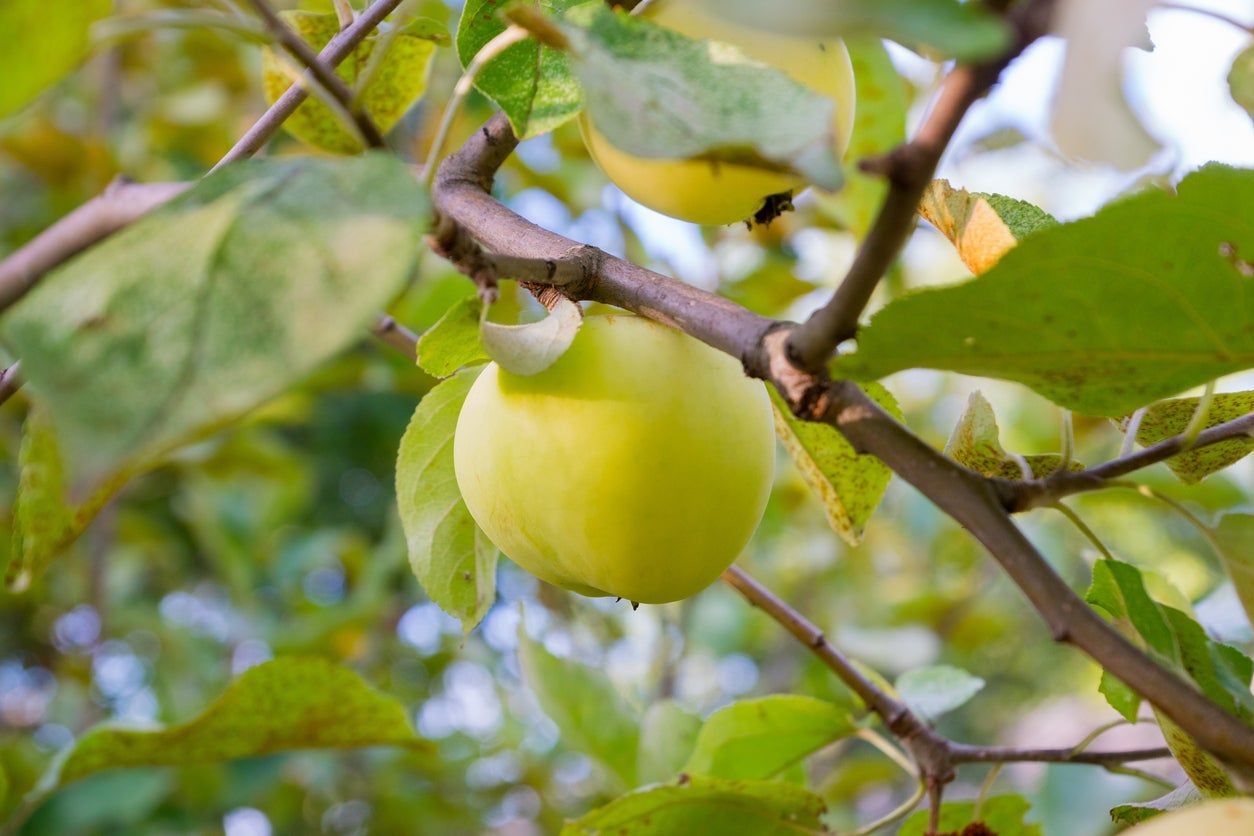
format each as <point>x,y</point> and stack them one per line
<point>280,536</point>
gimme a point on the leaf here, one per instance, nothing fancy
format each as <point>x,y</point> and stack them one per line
<point>982,227</point>
<point>453,342</point>
<point>879,125</point>
<point>1003,815</point>
<point>1166,419</point>
<point>1102,315</point>
<point>530,349</point>
<point>698,804</point>
<point>43,42</point>
<point>451,558</point>
<point>700,100</point>
<point>1241,80</point>
<point>975,443</point>
<point>1182,796</point>
<point>1092,119</point>
<point>668,734</point>
<point>849,485</point>
<point>288,703</point>
<point>532,83</point>
<point>1234,536</point>
<point>590,713</point>
<point>1221,672</point>
<point>937,689</point>
<point>952,28</point>
<point>397,81</point>
<point>186,320</point>
<point>761,738</point>
<point>41,517</point>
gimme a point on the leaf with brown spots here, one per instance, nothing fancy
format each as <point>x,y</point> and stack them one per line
<point>849,485</point>
<point>1166,419</point>
<point>1103,315</point>
<point>975,443</point>
<point>982,227</point>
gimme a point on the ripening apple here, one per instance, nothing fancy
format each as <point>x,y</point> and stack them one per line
<point>1220,817</point>
<point>721,193</point>
<point>636,466</point>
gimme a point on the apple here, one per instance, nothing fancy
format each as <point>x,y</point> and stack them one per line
<point>637,466</point>
<point>708,193</point>
<point>1220,817</point>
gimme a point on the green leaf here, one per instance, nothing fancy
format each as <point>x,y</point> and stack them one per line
<point>879,125</point>
<point>186,320</point>
<point>976,443</point>
<point>982,227</point>
<point>950,27</point>
<point>668,734</point>
<point>849,485</point>
<point>698,804</point>
<point>1221,672</point>
<point>450,556</point>
<point>532,83</point>
<point>1102,315</point>
<point>396,81</point>
<point>937,689</point>
<point>1170,418</point>
<point>1001,814</point>
<point>698,99</point>
<point>453,342</point>
<point>43,42</point>
<point>761,738</point>
<point>1131,813</point>
<point>1241,80</point>
<point>1120,697</point>
<point>586,707</point>
<point>1234,535</point>
<point>531,348</point>
<point>285,704</point>
<point>41,517</point>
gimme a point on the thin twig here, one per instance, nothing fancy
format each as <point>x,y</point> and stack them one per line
<point>1211,13</point>
<point>1026,495</point>
<point>966,753</point>
<point>492,49</point>
<point>322,74</point>
<point>340,47</point>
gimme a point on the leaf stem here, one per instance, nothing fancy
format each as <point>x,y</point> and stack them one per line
<point>513,34</point>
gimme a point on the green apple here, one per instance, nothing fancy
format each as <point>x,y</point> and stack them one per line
<point>708,193</point>
<point>638,465</point>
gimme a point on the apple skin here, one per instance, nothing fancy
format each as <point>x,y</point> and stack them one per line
<point>637,466</point>
<point>713,194</point>
<point>1218,817</point>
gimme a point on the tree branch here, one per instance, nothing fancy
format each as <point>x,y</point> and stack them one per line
<point>340,47</point>
<point>121,203</point>
<point>931,751</point>
<point>1022,496</point>
<point>966,753</point>
<point>323,74</point>
<point>462,196</point>
<point>10,380</point>
<point>909,169</point>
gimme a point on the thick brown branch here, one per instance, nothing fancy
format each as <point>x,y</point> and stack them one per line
<point>321,72</point>
<point>120,204</point>
<point>1021,496</point>
<point>462,195</point>
<point>340,47</point>
<point>909,169</point>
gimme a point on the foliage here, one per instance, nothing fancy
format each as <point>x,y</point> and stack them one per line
<point>215,475</point>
